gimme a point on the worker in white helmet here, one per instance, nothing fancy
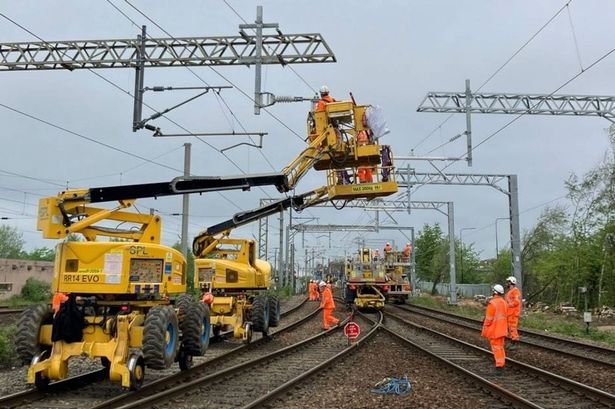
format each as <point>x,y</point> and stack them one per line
<point>328,305</point>
<point>513,303</point>
<point>325,98</point>
<point>495,327</point>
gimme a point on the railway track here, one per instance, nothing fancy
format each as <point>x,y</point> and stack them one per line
<point>10,311</point>
<point>593,353</point>
<point>524,385</point>
<point>259,379</point>
<point>557,358</point>
<point>88,389</point>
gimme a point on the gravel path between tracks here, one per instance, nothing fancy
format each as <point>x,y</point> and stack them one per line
<point>348,384</point>
<point>595,375</point>
<point>13,380</point>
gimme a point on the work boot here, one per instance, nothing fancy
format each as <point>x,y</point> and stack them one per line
<point>499,371</point>
<point>513,345</point>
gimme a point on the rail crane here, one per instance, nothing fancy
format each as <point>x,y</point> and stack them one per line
<point>127,303</point>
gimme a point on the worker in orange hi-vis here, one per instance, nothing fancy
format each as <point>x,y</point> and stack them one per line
<point>495,327</point>
<point>513,303</point>
<point>406,251</point>
<point>328,305</point>
<point>312,290</point>
<point>365,175</point>
<point>57,300</point>
<point>325,98</point>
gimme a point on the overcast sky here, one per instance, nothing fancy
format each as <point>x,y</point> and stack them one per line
<point>389,53</point>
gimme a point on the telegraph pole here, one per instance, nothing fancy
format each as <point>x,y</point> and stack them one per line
<point>185,202</point>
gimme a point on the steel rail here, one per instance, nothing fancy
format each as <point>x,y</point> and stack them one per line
<point>476,324</point>
<point>287,385</point>
<point>31,395</point>
<point>129,398</point>
<point>19,398</point>
<point>239,368</point>
<point>566,384</point>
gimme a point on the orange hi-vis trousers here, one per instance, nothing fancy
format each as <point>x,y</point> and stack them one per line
<point>513,322</point>
<point>497,347</point>
<point>328,319</point>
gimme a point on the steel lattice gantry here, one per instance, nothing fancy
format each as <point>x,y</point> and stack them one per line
<point>164,52</point>
<point>520,104</point>
<point>406,178</point>
<point>533,104</point>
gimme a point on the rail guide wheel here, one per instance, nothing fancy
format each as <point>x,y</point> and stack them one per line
<point>41,382</point>
<point>184,359</point>
<point>136,367</point>
<point>247,332</point>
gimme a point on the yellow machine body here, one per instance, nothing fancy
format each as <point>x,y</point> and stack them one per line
<point>232,266</point>
<point>398,269</point>
<point>232,273</point>
<point>119,268</point>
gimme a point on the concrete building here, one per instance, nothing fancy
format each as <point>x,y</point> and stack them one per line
<point>14,273</point>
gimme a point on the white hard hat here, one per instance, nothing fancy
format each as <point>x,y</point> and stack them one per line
<point>407,244</point>
<point>322,284</point>
<point>512,280</point>
<point>388,244</point>
<point>498,289</point>
<point>324,89</point>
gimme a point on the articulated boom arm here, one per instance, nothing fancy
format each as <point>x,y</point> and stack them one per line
<point>207,240</point>
<point>68,212</point>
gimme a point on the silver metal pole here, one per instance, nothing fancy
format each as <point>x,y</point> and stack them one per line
<point>259,59</point>
<point>185,202</point>
<point>468,122</point>
<point>281,257</point>
<point>413,267</point>
<point>139,76</point>
<point>451,254</point>
<point>515,240</point>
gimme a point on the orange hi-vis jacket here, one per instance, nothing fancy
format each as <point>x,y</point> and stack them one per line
<point>495,324</point>
<point>323,101</point>
<point>326,301</point>
<point>57,299</point>
<point>513,301</point>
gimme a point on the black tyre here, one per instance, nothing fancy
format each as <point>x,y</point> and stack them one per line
<point>160,337</point>
<point>194,324</point>
<point>274,311</point>
<point>260,314</point>
<point>28,328</point>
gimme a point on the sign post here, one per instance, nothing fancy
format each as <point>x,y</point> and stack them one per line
<point>352,331</point>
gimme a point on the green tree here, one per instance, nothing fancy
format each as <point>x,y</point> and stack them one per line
<point>189,267</point>
<point>431,251</point>
<point>11,242</point>
<point>40,254</point>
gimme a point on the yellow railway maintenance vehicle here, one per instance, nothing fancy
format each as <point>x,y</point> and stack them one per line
<point>233,280</point>
<point>126,297</point>
<point>365,281</point>
<point>370,280</point>
<point>397,272</point>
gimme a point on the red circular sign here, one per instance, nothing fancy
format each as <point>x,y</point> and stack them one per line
<point>352,330</point>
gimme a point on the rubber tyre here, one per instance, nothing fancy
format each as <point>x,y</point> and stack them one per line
<point>28,328</point>
<point>160,323</point>
<point>194,324</point>
<point>260,314</point>
<point>274,311</point>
